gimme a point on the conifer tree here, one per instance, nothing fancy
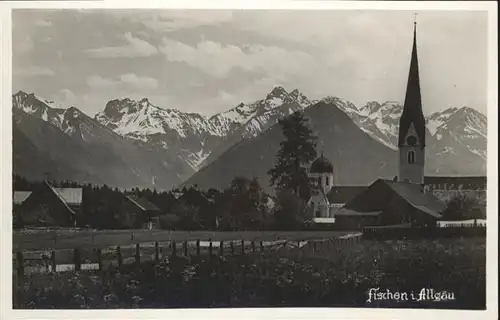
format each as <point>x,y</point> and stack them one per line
<point>297,150</point>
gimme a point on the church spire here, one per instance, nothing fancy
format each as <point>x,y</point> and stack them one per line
<point>412,111</point>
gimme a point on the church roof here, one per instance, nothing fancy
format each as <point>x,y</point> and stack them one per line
<point>321,165</point>
<point>412,110</point>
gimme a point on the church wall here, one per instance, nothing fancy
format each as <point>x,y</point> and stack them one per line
<point>446,195</point>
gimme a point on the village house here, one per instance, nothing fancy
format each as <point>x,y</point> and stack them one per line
<point>387,202</point>
<point>47,206</point>
<point>138,213</point>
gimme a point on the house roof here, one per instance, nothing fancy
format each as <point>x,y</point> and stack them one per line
<point>342,194</point>
<point>61,196</point>
<point>372,199</point>
<point>20,196</point>
<point>412,193</point>
<point>72,196</point>
<point>349,212</point>
<point>143,203</point>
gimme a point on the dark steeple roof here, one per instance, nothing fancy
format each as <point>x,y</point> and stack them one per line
<point>321,165</point>
<point>412,111</point>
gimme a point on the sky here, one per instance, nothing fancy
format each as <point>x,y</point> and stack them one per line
<point>208,61</point>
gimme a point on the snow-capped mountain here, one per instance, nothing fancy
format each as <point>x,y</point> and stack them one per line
<point>246,121</point>
<point>255,116</point>
<point>198,139</point>
<point>466,126</point>
<point>189,135</point>
<point>73,146</point>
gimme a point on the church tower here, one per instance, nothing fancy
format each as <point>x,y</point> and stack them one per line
<point>411,141</point>
<point>321,177</point>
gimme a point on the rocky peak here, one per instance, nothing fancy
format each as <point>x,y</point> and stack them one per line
<point>277,92</point>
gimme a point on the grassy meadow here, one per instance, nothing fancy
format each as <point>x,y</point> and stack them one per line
<point>325,276</point>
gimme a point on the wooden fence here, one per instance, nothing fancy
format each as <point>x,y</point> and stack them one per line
<point>389,233</point>
<point>102,239</point>
<point>178,243</point>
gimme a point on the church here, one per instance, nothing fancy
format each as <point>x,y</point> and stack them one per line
<point>404,199</point>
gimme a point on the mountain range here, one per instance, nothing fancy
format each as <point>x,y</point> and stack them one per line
<point>135,143</point>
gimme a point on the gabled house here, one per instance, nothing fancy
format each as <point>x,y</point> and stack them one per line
<point>47,206</point>
<point>139,213</point>
<point>388,202</point>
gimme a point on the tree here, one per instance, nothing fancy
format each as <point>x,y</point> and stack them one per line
<point>242,206</point>
<point>462,207</point>
<point>297,150</point>
<point>289,212</point>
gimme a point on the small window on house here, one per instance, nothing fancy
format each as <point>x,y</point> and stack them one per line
<point>411,157</point>
<point>319,181</point>
<point>326,181</point>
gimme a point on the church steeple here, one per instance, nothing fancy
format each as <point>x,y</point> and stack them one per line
<point>412,111</point>
<point>411,141</point>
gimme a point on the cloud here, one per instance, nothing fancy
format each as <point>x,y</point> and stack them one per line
<point>23,45</point>
<point>33,71</point>
<point>124,80</point>
<point>66,97</point>
<point>42,23</point>
<point>139,82</point>
<point>218,60</point>
<point>134,48</point>
<point>97,82</point>
<point>171,20</point>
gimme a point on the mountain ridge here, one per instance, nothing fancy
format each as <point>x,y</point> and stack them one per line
<point>196,141</point>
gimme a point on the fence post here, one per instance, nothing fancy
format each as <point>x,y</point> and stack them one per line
<point>232,247</point>
<point>99,258</point>
<point>20,266</point>
<point>186,248</point>
<point>261,247</point>
<point>53,261</point>
<point>77,260</point>
<point>157,252</point>
<point>198,247</point>
<point>174,248</point>
<point>210,249</point>
<point>253,246</point>
<point>119,257</point>
<point>242,246</point>
<point>221,248</point>
<point>137,253</point>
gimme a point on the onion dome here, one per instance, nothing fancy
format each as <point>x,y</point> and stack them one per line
<point>321,165</point>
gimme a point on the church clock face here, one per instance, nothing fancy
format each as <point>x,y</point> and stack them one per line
<point>411,140</point>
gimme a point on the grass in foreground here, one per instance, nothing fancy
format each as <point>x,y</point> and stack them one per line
<point>334,277</point>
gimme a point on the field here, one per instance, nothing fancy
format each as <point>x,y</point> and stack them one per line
<point>325,276</point>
